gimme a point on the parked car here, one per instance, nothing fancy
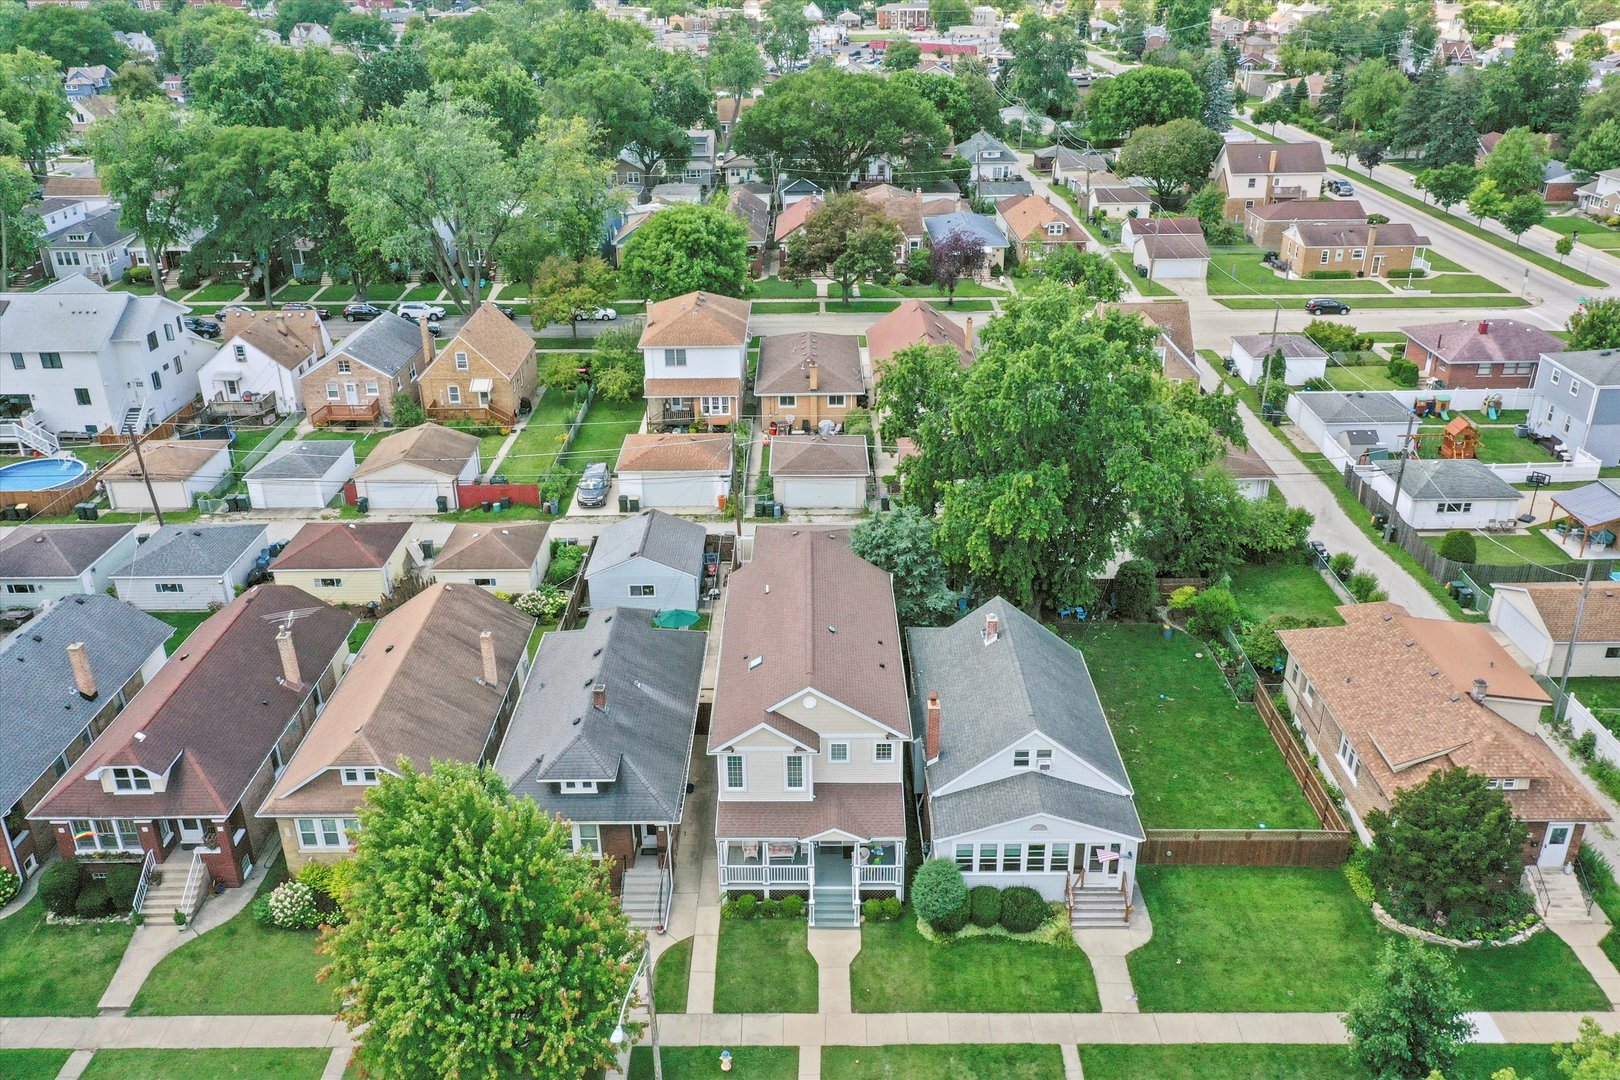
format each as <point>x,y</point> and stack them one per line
<point>415,309</point>
<point>1322,306</point>
<point>601,314</point>
<point>1340,187</point>
<point>361,312</point>
<point>593,486</point>
<point>203,328</point>
<point>509,312</point>
<point>299,305</point>
<point>432,324</point>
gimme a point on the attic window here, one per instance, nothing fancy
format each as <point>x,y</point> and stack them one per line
<point>755,662</point>
<point>578,787</point>
<point>360,777</point>
<point>129,781</point>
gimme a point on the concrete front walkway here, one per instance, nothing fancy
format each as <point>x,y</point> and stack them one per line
<point>172,1032</point>
<point>1107,949</point>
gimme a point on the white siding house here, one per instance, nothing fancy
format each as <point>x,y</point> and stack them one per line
<point>190,567</point>
<point>650,560</point>
<point>1303,359</point>
<point>1445,494</point>
<point>41,563</point>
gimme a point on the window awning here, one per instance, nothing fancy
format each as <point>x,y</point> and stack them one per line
<point>483,386</point>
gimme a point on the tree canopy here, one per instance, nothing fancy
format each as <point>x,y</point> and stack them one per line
<point>1141,97</point>
<point>1174,157</point>
<point>685,249</point>
<point>1595,325</point>
<point>850,240</point>
<point>902,542</point>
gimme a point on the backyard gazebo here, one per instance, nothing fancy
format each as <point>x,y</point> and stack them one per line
<point>1590,513</point>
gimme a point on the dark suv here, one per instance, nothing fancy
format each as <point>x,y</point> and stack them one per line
<point>1327,307</point>
<point>361,312</point>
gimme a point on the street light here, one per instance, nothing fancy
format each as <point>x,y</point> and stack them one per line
<point>620,1037</point>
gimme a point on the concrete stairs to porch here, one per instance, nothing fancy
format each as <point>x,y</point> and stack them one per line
<point>1098,909</point>
<point>1565,903</point>
<point>834,908</point>
<point>163,898</point>
<point>639,895</point>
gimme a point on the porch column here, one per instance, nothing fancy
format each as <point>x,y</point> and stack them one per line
<point>224,863</point>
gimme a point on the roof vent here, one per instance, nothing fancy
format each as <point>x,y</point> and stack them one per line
<point>755,662</point>
<point>832,629</point>
<point>1479,691</point>
<point>39,539</point>
<point>140,736</point>
<point>1433,672</point>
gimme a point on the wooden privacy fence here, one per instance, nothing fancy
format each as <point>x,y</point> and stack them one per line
<point>1305,774</point>
<point>1245,847</point>
<point>470,494</point>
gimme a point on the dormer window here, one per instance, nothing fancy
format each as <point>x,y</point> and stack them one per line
<point>1054,228</point>
<point>578,787</point>
<point>1507,784</point>
<point>360,776</point>
<point>130,781</point>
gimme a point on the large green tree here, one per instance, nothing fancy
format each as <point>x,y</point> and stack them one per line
<point>1449,184</point>
<point>1373,93</point>
<point>915,382</point>
<point>735,68</point>
<point>262,85</point>
<point>386,78</point>
<point>200,35</point>
<point>850,240</point>
<point>71,36</point>
<point>1411,1022</point>
<point>1173,157</point>
<point>477,941</point>
<point>966,106</point>
<point>289,13</point>
<point>1043,52</point>
<point>1533,88</point>
<point>20,228</point>
<point>1598,150</point>
<point>1595,325</point>
<point>686,249</point>
<point>1141,97</point>
<point>785,35</point>
<point>487,73</point>
<point>1039,458</point>
<point>570,193</point>
<point>142,153</point>
<point>33,100</point>
<point>1516,162</point>
<point>902,542</point>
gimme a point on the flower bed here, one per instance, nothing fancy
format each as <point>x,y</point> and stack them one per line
<point>1516,934</point>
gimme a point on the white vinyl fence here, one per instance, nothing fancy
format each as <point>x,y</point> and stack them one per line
<point>1581,720</point>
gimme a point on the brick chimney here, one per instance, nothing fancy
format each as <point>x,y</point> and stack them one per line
<point>1484,326</point>
<point>486,649</point>
<point>83,678</point>
<point>992,628</point>
<point>814,372</point>
<point>1273,166</point>
<point>933,727</point>
<point>599,696</point>
<point>289,656</point>
<point>969,334</point>
<point>427,342</point>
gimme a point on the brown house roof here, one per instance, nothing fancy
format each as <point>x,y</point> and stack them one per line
<point>287,337</point>
<point>1399,688</point>
<point>229,669</point>
<point>785,360</point>
<point>1556,604</point>
<point>827,622</point>
<point>1245,464</point>
<point>172,459</point>
<point>1173,317</point>
<point>869,811</point>
<point>492,547</point>
<point>915,322</point>
<point>1244,159</point>
<point>1478,340</point>
<point>664,388</point>
<point>493,336</point>
<point>794,217</point>
<point>430,446</point>
<point>820,455</point>
<point>1032,213</point>
<point>415,691</point>
<point>675,453</point>
<point>1310,210</point>
<point>697,318</point>
<point>337,545</point>
<point>1391,234</point>
<point>73,186</point>
<point>1174,246</point>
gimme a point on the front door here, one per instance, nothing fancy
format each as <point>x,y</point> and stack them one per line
<point>351,393</point>
<point>1102,865</point>
<point>1377,265</point>
<point>647,837</point>
<point>483,399</point>
<point>233,390</point>
<point>191,830</point>
<point>1555,846</point>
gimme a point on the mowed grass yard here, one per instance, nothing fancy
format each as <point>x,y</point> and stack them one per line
<point>537,444</point>
<point>244,1064</point>
<point>32,1064</point>
<point>1204,1062</point>
<point>1286,589</point>
<point>764,965</point>
<point>962,1061</point>
<point>703,1062</point>
<point>603,432</point>
<point>1239,272</point>
<point>56,970</point>
<point>1197,757</point>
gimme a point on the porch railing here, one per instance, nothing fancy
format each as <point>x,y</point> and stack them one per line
<point>878,875</point>
<point>336,412</point>
<point>148,864</point>
<point>765,875</point>
<point>196,883</point>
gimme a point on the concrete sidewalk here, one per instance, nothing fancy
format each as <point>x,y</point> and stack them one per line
<point>171,1032</point>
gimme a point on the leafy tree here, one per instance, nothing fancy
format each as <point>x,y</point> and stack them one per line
<point>1173,157</point>
<point>1485,201</point>
<point>1297,60</point>
<point>1132,36</point>
<point>937,890</point>
<point>471,906</point>
<point>264,86</point>
<point>1448,184</point>
<point>1218,95</point>
<point>952,258</point>
<point>200,35</point>
<point>1370,153</point>
<point>562,286</point>
<point>1043,53</point>
<point>1459,545</point>
<point>71,36</point>
<point>570,193</point>
<point>1595,1055</point>
<point>1275,111</point>
<point>1194,529</point>
<point>1486,20</point>
<point>1141,97</point>
<point>1262,645</point>
<point>945,14</point>
<point>627,116</point>
<point>24,229</point>
<point>1373,92</point>
<point>849,239</point>
<point>1092,273</point>
<point>1563,246</point>
<point>1046,446</point>
<point>1411,1021</point>
<point>1598,150</point>
<point>1215,611</point>
<point>289,13</point>
<point>1590,46</point>
<point>362,32</point>
<point>1452,134</point>
<point>1595,325</point>
<point>967,104</point>
<point>1516,162</point>
<point>1520,213</point>
<point>1332,100</point>
<point>33,100</point>
<point>141,154</point>
<point>575,40</point>
<point>136,82</point>
<point>901,56</point>
<point>686,249</point>
<point>1533,88</point>
<point>827,123</point>
<point>385,79</point>
<point>1209,207</point>
<point>785,35</point>
<point>916,382</point>
<point>487,73</point>
<point>735,67</point>
<point>902,542</point>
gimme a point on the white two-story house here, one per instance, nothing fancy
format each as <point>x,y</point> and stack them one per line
<point>694,352</point>
<point>1024,784</point>
<point>1258,174</point>
<point>265,355</point>
<point>809,726</point>
<point>1578,402</point>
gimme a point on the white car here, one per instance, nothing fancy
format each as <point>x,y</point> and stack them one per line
<point>416,310</point>
<point>601,314</point>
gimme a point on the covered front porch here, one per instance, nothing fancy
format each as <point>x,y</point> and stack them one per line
<point>835,872</point>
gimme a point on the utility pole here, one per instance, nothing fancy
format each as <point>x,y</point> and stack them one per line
<point>1574,636</point>
<point>1400,474</point>
<point>135,444</point>
<point>1265,365</point>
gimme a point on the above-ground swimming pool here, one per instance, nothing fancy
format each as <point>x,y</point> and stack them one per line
<point>42,474</point>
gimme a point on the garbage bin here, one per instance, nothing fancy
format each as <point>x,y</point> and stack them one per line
<point>444,504</point>
<point>1465,598</point>
<point>635,504</point>
<point>776,509</point>
<point>762,506</point>
<point>427,548</point>
<point>363,504</point>
<point>485,505</point>
<point>883,502</point>
<point>624,504</point>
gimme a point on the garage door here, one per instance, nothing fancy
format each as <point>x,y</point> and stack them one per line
<point>848,493</point>
<point>284,494</point>
<point>400,494</point>
<point>677,491</point>
<point>1177,269</point>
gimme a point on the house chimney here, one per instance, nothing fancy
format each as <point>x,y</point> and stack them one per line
<point>427,341</point>
<point>1372,242</point>
<point>486,649</point>
<point>969,335</point>
<point>1478,692</point>
<point>933,727</point>
<point>1273,166</point>
<point>83,678</point>
<point>992,628</point>
<point>289,656</point>
<point>815,376</point>
<point>1484,326</point>
<point>599,696</point>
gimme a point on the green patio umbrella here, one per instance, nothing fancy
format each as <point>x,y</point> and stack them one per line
<point>675,619</point>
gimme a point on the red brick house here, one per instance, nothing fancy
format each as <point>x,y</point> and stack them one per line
<point>1492,353</point>
<point>185,765</point>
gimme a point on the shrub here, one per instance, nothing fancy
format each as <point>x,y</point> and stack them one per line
<point>793,906</point>
<point>1023,910</point>
<point>1459,545</point>
<point>138,275</point>
<point>872,910</point>
<point>1364,587</point>
<point>891,906</point>
<point>984,905</point>
<point>261,913</point>
<point>745,906</point>
<point>408,412</point>
<point>952,920</point>
<point>565,562</point>
<point>1136,590</point>
<point>1214,611</point>
<point>1182,598</point>
<point>474,428</point>
<point>1330,275</point>
<point>93,901</point>
<point>1402,372</point>
<point>545,603</point>
<point>318,876</point>
<point>122,882</point>
<point>292,906</point>
<point>938,891</point>
<point>10,884</point>
<point>59,887</point>
<point>770,909</point>
<point>1586,746</point>
<point>1342,564</point>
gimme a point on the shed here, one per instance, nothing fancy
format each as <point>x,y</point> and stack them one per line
<point>651,560</point>
<point>668,471</point>
<point>306,474</point>
<point>821,471</point>
<point>414,468</point>
<point>179,471</point>
<point>190,567</point>
<point>1303,359</point>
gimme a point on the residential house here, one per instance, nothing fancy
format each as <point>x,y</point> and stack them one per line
<point>259,365</point>
<point>84,111</point>
<point>650,560</point>
<point>905,15</point>
<point>728,110</point>
<point>1303,359</point>
<point>1250,471</point>
<point>916,322</point>
<point>1173,319</point>
<point>793,218</point>
<point>1255,174</point>
<point>174,472</point>
<point>1313,84</point>
<point>1035,225</point>
<point>849,20</point>
<point>1444,493</point>
<point>56,212</point>
<point>41,563</point>
<point>347,562</point>
<point>485,373</point>
<point>809,726</point>
<point>1076,169</point>
<point>1365,250</point>
<point>1577,400</point>
<point>436,680</point>
<point>908,211</point>
<point>139,44</point>
<point>1348,426</point>
<point>695,354</point>
<point>792,191</point>
<point>303,473</point>
<point>68,672</point>
<point>980,228</point>
<point>507,558</point>
<point>1455,52</point>
<point>1264,225</point>
<point>821,471</point>
<point>1493,353</point>
<point>191,567</point>
<point>603,739</point>
<point>633,219</point>
<point>988,158</point>
<point>1542,618</point>
<point>808,379</point>
<point>1600,197</point>
<point>1560,183</point>
<point>96,247</point>
<point>87,81</point>
<point>699,167</point>
<point>666,471</point>
<point>1168,248</point>
<point>420,468</point>
<point>1387,700</point>
<point>1119,201</point>
<point>306,34</point>
<point>997,192</point>
<point>81,360</point>
<point>166,774</point>
<point>755,214</point>
<point>356,382</point>
<point>739,170</point>
<point>1023,784</point>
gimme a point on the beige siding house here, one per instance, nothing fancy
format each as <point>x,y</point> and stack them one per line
<point>346,562</point>
<point>809,377</point>
<point>498,557</point>
<point>484,373</point>
<point>1257,174</point>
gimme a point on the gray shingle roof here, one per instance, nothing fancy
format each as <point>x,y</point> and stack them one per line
<point>1028,680</point>
<point>983,146</point>
<point>56,551</point>
<point>642,740</point>
<point>192,550</point>
<point>41,712</point>
<point>1358,407</point>
<point>1450,479</point>
<point>386,344</point>
<point>980,227</point>
<point>652,534</point>
<point>1014,797</point>
<point>1292,346</point>
<point>1599,366</point>
<point>305,459</point>
<point>1004,189</point>
<point>102,230</point>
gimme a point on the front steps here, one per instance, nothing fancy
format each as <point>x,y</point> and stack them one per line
<point>1098,909</point>
<point>833,908</point>
<point>640,894</point>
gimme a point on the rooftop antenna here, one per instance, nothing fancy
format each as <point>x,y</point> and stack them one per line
<point>287,618</point>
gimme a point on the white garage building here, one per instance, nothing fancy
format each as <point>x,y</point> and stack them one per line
<point>1539,618</point>
<point>179,469</point>
<point>1303,359</point>
<point>677,471</point>
<point>189,567</point>
<point>1444,494</point>
<point>820,471</point>
<point>305,474</point>
<point>414,468</point>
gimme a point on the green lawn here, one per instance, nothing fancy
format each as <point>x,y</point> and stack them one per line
<point>1593,233</point>
<point>1450,283</point>
<point>925,292</point>
<point>1501,446</point>
<point>217,293</point>
<point>1196,756</point>
<point>603,431</point>
<point>1541,975</point>
<point>1191,1061</point>
<point>702,1062</point>
<point>184,622</point>
<point>363,444</point>
<point>95,455</point>
<point>1595,692</point>
<point>1287,589</point>
<point>777,289</point>
<point>963,1061</point>
<point>32,1064</point>
<point>56,970</point>
<point>248,1064</point>
<point>764,965</point>
<point>1141,284</point>
<point>361,631</point>
<point>898,970</point>
<point>1512,549</point>
<point>303,293</point>
<point>204,977</point>
<point>673,972</point>
<point>794,307</point>
<point>1259,303</point>
<point>1359,377</point>
<point>536,447</point>
<point>1241,273</point>
<point>427,293</point>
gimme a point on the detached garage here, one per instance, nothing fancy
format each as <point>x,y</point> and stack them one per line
<point>1171,256</point>
<point>179,469</point>
<point>674,471</point>
<point>413,469</point>
<point>305,474</point>
<point>191,567</point>
<point>820,471</point>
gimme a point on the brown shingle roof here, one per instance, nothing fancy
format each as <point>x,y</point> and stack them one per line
<point>663,388</point>
<point>492,547</point>
<point>210,715</point>
<point>287,337</point>
<point>1556,603</point>
<point>820,455</point>
<point>1033,213</point>
<point>1311,210</point>
<point>869,811</point>
<point>697,318</point>
<point>431,446</point>
<point>1179,226</point>
<point>915,322</point>
<point>675,453</point>
<point>171,459</point>
<point>1174,246</point>
<point>1475,340</point>
<point>416,691</point>
<point>1391,234</point>
<point>1266,158</point>
<point>785,359</point>
<point>794,217</point>
<point>493,336</point>
<point>1173,317</point>
<point>337,545</point>
<point>1245,464</point>
<point>73,186</point>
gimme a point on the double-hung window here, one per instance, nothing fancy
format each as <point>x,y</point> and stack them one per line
<point>964,858</point>
<point>795,772</point>
<point>129,780</point>
<point>1349,758</point>
<point>362,775</point>
<point>734,772</point>
<point>325,833</point>
<point>588,839</point>
<point>838,752</point>
<point>674,357</point>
